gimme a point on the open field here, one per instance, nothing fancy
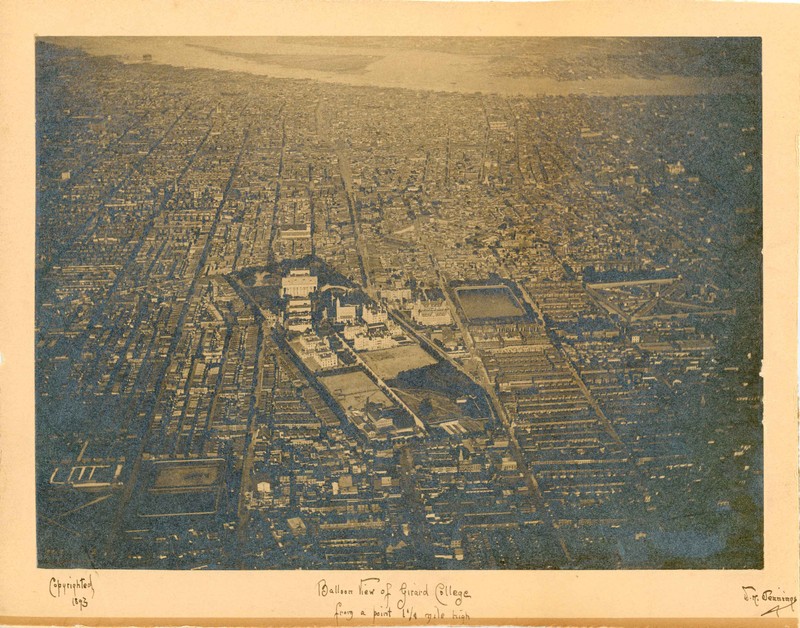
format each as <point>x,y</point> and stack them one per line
<point>387,363</point>
<point>192,475</point>
<point>352,390</point>
<point>176,488</point>
<point>489,302</point>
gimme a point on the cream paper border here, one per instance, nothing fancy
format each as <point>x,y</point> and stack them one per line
<point>228,598</point>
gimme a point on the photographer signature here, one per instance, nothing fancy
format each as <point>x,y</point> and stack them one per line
<point>776,600</point>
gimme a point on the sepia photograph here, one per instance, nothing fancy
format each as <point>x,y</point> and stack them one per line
<point>397,314</point>
<point>405,303</point>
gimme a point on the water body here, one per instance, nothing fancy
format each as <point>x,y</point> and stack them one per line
<point>503,66</point>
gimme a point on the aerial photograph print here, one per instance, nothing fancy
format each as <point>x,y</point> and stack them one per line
<point>401,303</point>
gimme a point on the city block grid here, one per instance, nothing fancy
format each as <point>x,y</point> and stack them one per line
<point>285,323</point>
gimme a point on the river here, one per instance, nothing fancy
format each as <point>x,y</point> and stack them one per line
<point>394,63</point>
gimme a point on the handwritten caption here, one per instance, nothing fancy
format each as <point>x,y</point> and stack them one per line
<point>78,590</point>
<point>770,601</point>
<point>374,599</point>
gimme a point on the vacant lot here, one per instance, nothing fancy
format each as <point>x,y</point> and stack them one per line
<point>489,302</point>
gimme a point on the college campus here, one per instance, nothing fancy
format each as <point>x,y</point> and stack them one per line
<point>290,315</point>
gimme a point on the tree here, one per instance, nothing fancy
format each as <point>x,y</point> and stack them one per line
<point>425,407</point>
